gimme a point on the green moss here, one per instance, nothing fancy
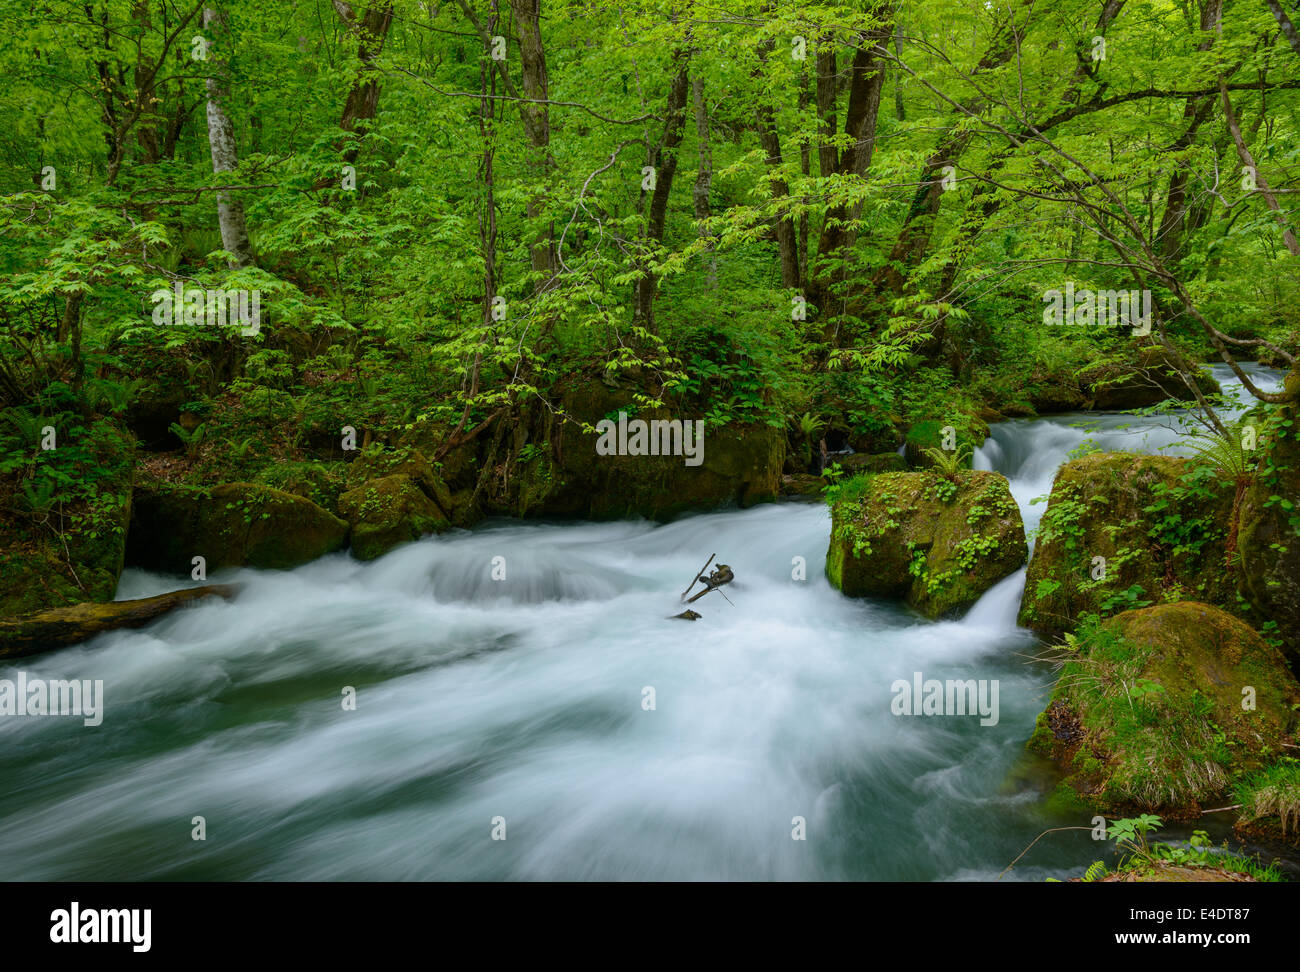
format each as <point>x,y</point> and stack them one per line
<point>1269,535</point>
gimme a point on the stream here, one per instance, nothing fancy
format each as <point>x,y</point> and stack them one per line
<point>522,703</point>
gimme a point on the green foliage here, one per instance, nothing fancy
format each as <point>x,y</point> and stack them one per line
<point>948,464</point>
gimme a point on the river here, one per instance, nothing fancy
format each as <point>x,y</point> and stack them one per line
<point>521,706</point>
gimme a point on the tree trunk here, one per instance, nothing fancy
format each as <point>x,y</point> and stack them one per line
<point>537,123</point>
<point>1288,237</point>
<point>221,137</point>
<point>1284,22</point>
<point>665,166</point>
<point>704,179</point>
<point>770,141</point>
<point>867,81</point>
<point>363,99</point>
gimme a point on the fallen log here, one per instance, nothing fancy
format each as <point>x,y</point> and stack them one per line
<point>71,625</point>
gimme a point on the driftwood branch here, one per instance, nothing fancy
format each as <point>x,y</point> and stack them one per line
<point>699,574</point>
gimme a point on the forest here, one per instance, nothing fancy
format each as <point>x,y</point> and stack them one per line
<point>422,349</point>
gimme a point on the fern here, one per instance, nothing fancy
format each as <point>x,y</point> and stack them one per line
<point>948,464</point>
<point>191,439</point>
<point>1223,451</point>
<point>1096,872</point>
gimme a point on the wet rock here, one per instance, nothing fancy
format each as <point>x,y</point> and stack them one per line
<point>1147,379</point>
<point>1158,524</point>
<point>389,511</point>
<point>938,544</point>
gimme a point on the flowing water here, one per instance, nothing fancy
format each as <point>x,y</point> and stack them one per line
<point>523,703</point>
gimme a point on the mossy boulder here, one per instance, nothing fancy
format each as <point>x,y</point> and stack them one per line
<point>1147,378</point>
<point>548,465</point>
<point>459,467</point>
<point>389,511</point>
<point>1158,524</point>
<point>82,489</point>
<point>1163,708</point>
<point>937,543</point>
<point>377,463</point>
<point>1269,528</point>
<point>230,525</point>
<point>1050,388</point>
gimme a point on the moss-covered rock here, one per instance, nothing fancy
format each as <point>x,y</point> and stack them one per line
<point>378,463</point>
<point>1148,378</point>
<point>459,467</point>
<point>230,525</point>
<point>1158,524</point>
<point>1051,389</point>
<point>1162,708</point>
<point>1268,538</point>
<point>937,543</point>
<point>547,464</point>
<point>83,490</point>
<point>389,511</point>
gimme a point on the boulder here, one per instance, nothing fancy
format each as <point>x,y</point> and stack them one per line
<point>548,464</point>
<point>320,480</point>
<point>937,543</point>
<point>1146,379</point>
<point>230,525</point>
<point>1159,525</point>
<point>389,511</point>
<point>377,463</point>
<point>1162,708</point>
<point>802,485</point>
